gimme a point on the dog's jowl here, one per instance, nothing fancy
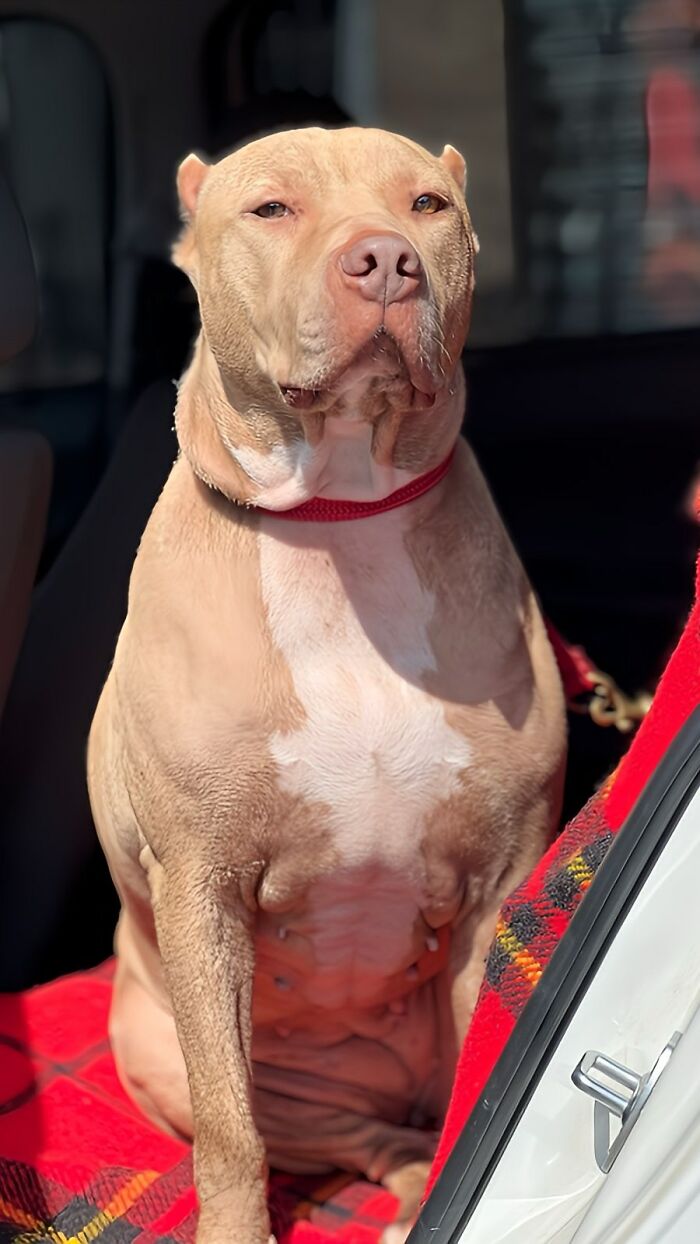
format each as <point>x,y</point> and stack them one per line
<point>333,735</point>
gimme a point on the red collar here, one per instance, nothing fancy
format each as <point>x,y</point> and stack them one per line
<point>323,510</point>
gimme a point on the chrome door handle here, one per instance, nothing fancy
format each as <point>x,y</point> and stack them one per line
<point>626,1105</point>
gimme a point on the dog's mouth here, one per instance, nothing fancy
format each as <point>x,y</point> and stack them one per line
<point>382,362</point>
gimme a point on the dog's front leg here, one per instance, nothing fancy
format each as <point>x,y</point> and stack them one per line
<point>205,938</point>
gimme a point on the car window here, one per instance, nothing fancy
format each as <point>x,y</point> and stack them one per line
<point>604,118</point>
<point>580,121</point>
<point>391,65</point>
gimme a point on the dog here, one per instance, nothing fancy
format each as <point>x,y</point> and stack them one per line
<point>328,748</point>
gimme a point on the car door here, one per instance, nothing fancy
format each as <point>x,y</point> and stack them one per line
<point>589,1128</point>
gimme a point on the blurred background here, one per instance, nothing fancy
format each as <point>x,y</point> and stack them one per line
<point>580,121</point>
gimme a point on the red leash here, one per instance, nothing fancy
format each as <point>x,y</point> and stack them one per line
<point>604,702</point>
<point>575,666</point>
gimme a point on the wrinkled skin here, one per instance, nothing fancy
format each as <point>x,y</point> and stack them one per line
<point>325,751</point>
<point>245,267</point>
<point>277,313</point>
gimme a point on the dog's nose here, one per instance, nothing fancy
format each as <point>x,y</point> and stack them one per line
<point>382,268</point>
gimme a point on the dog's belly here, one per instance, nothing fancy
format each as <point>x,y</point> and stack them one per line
<point>360,943</point>
<point>347,1018</point>
<point>320,1094</point>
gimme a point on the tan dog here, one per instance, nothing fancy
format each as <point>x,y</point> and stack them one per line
<point>326,750</point>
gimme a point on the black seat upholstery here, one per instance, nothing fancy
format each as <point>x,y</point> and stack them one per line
<point>18,291</point>
<point>57,909</point>
<point>25,457</point>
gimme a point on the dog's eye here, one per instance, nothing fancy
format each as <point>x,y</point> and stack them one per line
<point>428,203</point>
<point>269,210</point>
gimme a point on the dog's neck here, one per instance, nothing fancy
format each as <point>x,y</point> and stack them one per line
<point>278,462</point>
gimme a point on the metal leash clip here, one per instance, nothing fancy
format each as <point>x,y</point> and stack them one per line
<point>609,706</point>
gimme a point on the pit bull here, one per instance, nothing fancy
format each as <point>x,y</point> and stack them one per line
<point>332,738</point>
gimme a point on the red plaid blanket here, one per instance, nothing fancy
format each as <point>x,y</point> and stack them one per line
<point>78,1162</point>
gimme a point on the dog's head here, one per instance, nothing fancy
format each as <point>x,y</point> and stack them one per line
<point>330,262</point>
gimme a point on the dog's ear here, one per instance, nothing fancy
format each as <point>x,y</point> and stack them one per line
<point>190,178</point>
<point>455,165</point>
<point>457,168</point>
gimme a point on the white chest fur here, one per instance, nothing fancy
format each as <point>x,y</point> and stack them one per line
<point>340,466</point>
<point>351,618</point>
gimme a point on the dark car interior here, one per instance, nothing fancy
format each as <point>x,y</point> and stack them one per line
<point>583,363</point>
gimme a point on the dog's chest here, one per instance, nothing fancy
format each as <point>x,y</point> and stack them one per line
<point>351,619</point>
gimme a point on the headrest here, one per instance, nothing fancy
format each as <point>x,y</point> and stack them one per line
<point>18,290</point>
